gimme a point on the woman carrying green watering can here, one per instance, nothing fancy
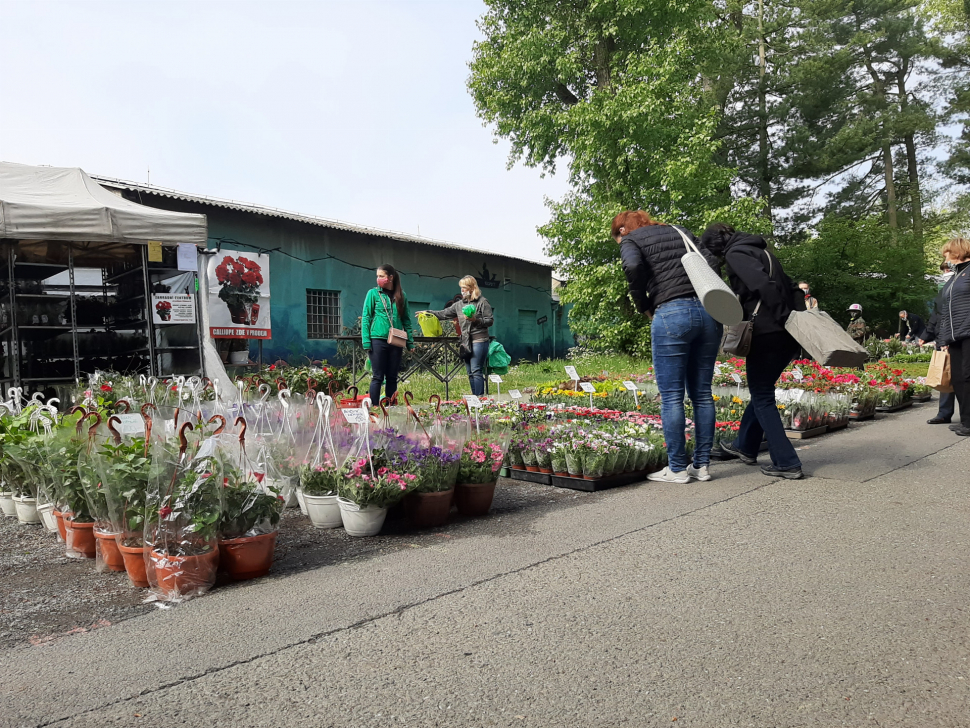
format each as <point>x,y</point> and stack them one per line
<point>474,316</point>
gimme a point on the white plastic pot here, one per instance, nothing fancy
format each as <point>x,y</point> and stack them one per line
<point>46,512</point>
<point>323,510</point>
<point>366,521</point>
<point>299,499</point>
<point>6,503</point>
<point>26,510</point>
<point>239,357</point>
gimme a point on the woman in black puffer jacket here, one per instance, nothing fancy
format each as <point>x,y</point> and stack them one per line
<point>768,297</point>
<point>954,326</point>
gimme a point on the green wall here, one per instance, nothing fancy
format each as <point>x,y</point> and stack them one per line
<point>345,261</point>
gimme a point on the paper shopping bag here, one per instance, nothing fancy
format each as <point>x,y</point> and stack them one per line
<point>938,376</point>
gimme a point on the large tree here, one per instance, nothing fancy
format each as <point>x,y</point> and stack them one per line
<point>621,92</point>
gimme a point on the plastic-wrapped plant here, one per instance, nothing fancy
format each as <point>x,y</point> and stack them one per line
<point>125,468</point>
<point>250,505</point>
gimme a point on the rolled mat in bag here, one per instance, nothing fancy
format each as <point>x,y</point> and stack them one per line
<point>715,295</point>
<point>827,342</point>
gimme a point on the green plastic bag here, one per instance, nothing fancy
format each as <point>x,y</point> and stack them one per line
<point>430,325</point>
<point>498,358</point>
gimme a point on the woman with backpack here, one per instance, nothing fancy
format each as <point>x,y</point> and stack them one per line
<point>385,331</point>
<point>684,338</point>
<point>768,297</point>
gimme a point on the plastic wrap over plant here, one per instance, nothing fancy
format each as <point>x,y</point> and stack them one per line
<point>251,502</point>
<point>184,506</point>
<point>484,451</point>
<point>334,442</point>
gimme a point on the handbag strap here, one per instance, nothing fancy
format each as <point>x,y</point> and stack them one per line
<point>688,243</point>
<point>390,319</point>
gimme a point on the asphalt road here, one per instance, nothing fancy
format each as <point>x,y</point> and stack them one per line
<point>840,600</point>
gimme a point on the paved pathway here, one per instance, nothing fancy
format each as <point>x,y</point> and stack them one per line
<point>837,600</point>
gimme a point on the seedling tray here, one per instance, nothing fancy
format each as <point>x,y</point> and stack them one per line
<point>591,486</point>
<point>806,434</point>
<point>895,408</point>
<point>530,477</point>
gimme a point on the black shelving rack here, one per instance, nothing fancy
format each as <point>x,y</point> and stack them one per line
<point>60,347</point>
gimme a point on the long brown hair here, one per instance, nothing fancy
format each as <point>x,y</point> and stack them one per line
<point>397,293</point>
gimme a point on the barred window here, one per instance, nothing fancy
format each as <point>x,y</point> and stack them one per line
<point>323,319</point>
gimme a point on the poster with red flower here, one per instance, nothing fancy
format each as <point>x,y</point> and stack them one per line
<point>239,295</point>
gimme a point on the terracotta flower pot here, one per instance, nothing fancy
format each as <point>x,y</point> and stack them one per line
<point>532,468</point>
<point>61,528</point>
<point>183,575</point>
<point>249,557</point>
<point>134,558</point>
<point>80,538</point>
<point>474,499</point>
<point>109,551</point>
<point>426,510</point>
<point>546,470</point>
<point>562,475</point>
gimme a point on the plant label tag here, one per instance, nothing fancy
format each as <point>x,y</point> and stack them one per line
<point>797,373</point>
<point>572,373</point>
<point>515,394</point>
<point>130,424</point>
<point>630,386</point>
<point>736,377</point>
<point>473,401</point>
<point>587,387</point>
<point>355,416</point>
<point>717,370</point>
<point>495,378</point>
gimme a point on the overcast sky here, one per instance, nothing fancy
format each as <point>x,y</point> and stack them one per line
<point>349,109</point>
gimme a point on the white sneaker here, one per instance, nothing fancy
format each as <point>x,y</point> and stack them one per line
<point>698,473</point>
<point>669,476</point>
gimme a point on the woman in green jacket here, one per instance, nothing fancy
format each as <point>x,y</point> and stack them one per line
<point>385,307</point>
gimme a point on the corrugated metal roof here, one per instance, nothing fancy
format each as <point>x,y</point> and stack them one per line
<point>111,182</point>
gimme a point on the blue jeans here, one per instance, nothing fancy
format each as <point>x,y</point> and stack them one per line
<point>385,363</point>
<point>685,341</point>
<point>476,366</point>
<point>769,356</point>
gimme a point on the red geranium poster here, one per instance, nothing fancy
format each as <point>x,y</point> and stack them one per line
<point>239,295</point>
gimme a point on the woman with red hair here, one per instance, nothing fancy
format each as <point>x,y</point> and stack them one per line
<point>684,338</point>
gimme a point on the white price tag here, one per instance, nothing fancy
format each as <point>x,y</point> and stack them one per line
<point>515,394</point>
<point>571,373</point>
<point>717,370</point>
<point>797,373</point>
<point>495,378</point>
<point>631,386</point>
<point>355,416</point>
<point>473,401</point>
<point>587,387</point>
<point>736,377</point>
<point>130,424</point>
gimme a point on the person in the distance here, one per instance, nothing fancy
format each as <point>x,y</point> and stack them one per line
<point>810,301</point>
<point>474,324</point>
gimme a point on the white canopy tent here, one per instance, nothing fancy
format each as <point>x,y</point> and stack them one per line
<point>63,203</point>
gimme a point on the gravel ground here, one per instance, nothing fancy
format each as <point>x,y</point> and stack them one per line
<point>45,595</point>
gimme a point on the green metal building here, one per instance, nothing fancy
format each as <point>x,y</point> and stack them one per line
<point>320,271</point>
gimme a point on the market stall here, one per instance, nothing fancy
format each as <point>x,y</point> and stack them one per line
<point>91,281</point>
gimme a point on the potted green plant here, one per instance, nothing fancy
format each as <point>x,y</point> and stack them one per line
<point>183,512</point>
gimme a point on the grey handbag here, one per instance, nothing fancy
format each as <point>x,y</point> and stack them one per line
<point>736,340</point>
<point>716,296</point>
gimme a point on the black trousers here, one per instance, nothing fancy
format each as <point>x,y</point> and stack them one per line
<point>960,377</point>
<point>385,363</point>
<point>948,403</point>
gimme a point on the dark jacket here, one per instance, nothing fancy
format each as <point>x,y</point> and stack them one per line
<point>474,329</point>
<point>933,324</point>
<point>747,258</point>
<point>912,326</point>
<point>651,261</point>
<point>955,312</point>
